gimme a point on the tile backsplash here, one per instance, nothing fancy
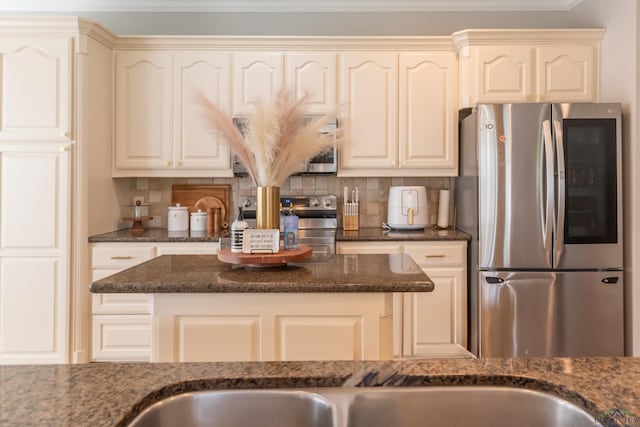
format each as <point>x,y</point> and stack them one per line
<point>374,193</point>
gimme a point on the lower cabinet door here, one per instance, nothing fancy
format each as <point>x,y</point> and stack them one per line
<point>435,322</point>
<point>271,327</point>
<point>121,338</point>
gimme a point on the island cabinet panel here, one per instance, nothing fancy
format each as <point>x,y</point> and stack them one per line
<point>215,338</point>
<point>320,338</point>
<point>432,324</point>
<point>267,327</point>
<point>35,96</point>
<point>160,126</point>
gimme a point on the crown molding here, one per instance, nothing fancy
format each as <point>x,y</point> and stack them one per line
<point>518,36</point>
<point>285,5</point>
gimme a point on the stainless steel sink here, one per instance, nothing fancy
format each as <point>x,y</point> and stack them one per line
<point>458,406</point>
<point>239,408</point>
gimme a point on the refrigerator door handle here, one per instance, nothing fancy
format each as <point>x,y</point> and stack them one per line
<point>559,230</point>
<point>610,280</point>
<point>547,215</point>
<point>494,280</point>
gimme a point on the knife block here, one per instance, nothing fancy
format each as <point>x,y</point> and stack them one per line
<point>351,217</point>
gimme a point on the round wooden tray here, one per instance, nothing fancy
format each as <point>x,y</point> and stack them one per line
<point>265,260</point>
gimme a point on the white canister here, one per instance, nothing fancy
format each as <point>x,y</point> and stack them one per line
<point>178,218</point>
<point>198,221</point>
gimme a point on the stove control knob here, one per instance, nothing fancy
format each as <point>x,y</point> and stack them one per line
<point>315,202</point>
<point>246,203</point>
<point>328,203</point>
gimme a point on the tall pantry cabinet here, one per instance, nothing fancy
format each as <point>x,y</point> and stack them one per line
<point>55,145</point>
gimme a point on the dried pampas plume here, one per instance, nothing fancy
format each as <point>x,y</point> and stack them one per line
<point>278,141</point>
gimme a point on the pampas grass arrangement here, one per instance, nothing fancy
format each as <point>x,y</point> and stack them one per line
<point>278,141</point>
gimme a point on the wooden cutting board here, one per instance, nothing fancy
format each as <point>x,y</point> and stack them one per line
<point>190,194</point>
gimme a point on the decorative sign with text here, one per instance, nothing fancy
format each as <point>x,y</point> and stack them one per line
<point>261,241</point>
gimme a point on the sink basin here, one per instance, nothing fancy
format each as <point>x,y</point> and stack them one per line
<point>239,408</point>
<point>460,406</point>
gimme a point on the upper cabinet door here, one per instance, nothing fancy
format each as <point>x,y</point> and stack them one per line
<point>143,110</point>
<point>256,78</point>
<point>567,73</point>
<point>35,95</point>
<point>313,74</point>
<point>196,146</point>
<point>505,74</point>
<point>369,89</point>
<point>427,112</point>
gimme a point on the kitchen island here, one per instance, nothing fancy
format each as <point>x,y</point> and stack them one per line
<point>327,307</point>
<point>111,394</point>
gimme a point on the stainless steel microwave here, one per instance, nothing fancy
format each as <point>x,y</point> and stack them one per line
<point>323,163</point>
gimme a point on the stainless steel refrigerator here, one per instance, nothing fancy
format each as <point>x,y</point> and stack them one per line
<point>540,191</point>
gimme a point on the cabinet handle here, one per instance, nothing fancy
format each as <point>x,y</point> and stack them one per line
<point>167,163</point>
<point>64,134</point>
<point>179,163</point>
<point>435,256</point>
<point>121,257</point>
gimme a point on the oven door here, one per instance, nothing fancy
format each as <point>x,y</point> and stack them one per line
<point>322,241</point>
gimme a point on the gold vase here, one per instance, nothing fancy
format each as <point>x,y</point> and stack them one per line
<point>268,207</point>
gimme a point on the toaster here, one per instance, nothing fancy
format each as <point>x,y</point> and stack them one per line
<point>407,208</point>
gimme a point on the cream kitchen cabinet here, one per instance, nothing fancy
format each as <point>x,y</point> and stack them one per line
<point>268,327</point>
<point>401,113</point>
<point>500,66</point>
<point>35,189</point>
<point>35,100</point>
<point>257,76</point>
<point>121,323</point>
<point>160,128</point>
<point>432,324</point>
<point>55,134</point>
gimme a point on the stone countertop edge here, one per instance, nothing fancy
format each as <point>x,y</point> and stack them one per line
<point>112,394</point>
<point>364,234</point>
<point>152,235</point>
<point>379,234</point>
<point>353,273</point>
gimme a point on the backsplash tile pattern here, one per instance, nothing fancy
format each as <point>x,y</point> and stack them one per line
<point>374,193</point>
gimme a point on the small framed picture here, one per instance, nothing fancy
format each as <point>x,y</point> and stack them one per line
<point>261,241</point>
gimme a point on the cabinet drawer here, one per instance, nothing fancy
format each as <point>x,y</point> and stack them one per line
<point>121,338</point>
<point>121,256</point>
<point>437,254</point>
<point>120,304</point>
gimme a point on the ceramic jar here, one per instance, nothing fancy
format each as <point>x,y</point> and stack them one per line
<point>198,221</point>
<point>178,218</point>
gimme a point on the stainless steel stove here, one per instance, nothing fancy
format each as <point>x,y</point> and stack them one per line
<point>317,219</point>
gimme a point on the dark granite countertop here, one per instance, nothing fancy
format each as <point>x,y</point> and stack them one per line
<point>319,273</point>
<point>364,234</point>
<point>154,235</point>
<point>377,234</point>
<point>110,394</point>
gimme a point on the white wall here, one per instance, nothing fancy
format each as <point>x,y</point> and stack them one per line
<point>620,83</point>
<point>317,23</point>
